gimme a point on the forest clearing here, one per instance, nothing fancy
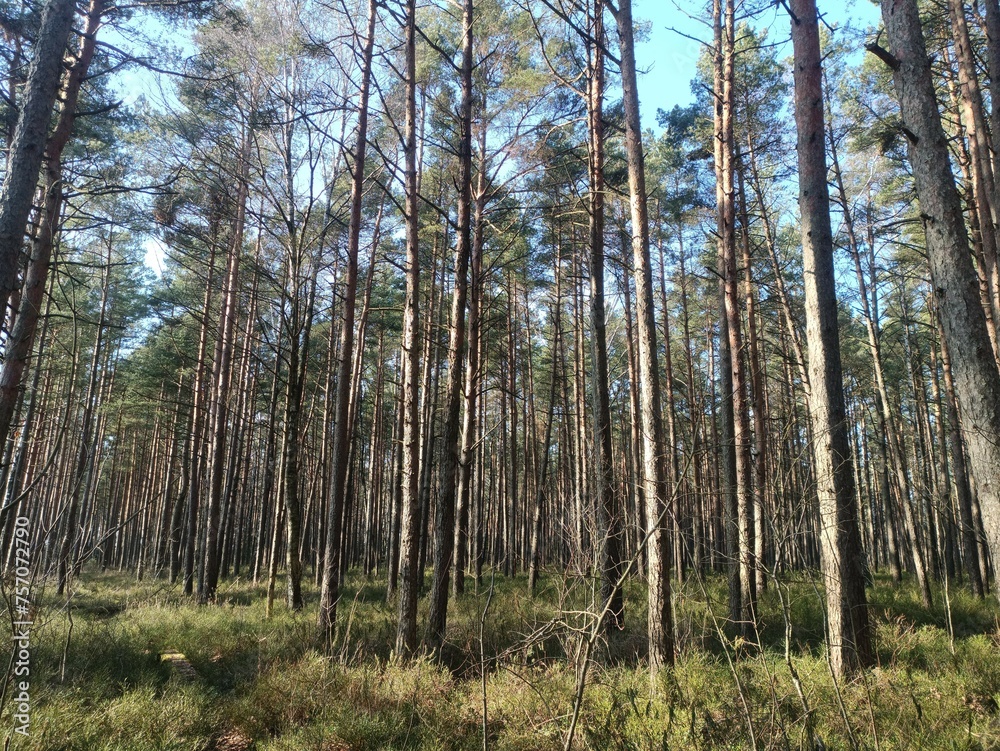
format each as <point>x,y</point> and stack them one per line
<point>383,374</point>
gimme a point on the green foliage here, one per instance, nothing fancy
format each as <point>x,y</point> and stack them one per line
<point>268,681</point>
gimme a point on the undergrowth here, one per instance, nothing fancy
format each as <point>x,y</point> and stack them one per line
<point>98,682</point>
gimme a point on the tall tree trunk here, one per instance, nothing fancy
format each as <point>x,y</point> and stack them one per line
<point>660,624</point>
<point>963,491</point>
<point>13,497</point>
<point>85,449</point>
<point>198,415</point>
<point>885,422</point>
<point>673,458</point>
<point>409,544</point>
<point>638,513</point>
<point>980,165</point>
<point>757,391</point>
<point>848,631</point>
<point>330,583</point>
<point>22,336</point>
<point>269,470</point>
<point>223,377</point>
<point>290,486</point>
<point>396,497</point>
<point>448,478</point>
<point>472,376</point>
<point>952,274</point>
<point>534,561</point>
<point>696,504</point>
<point>992,8</point>
<point>28,145</point>
<point>608,502</point>
<point>740,591</point>
<point>738,357</point>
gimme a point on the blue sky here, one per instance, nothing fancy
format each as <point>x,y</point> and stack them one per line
<point>669,58</point>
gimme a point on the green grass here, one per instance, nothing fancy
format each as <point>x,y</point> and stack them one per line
<point>97,682</point>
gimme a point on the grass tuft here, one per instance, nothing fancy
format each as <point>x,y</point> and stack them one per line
<point>98,683</point>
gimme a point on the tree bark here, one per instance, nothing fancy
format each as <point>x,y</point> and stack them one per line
<point>992,8</point>
<point>758,398</point>
<point>330,583</point>
<point>209,582</point>
<point>848,629</point>
<point>30,135</point>
<point>409,544</point>
<point>963,491</point>
<point>953,277</point>
<point>980,165</point>
<point>741,593</point>
<point>608,502</point>
<point>444,527</point>
<point>85,449</point>
<point>22,336</point>
<point>660,624</point>
<point>534,562</point>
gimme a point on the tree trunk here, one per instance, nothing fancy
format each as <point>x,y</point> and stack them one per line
<point>741,408</point>
<point>220,390</point>
<point>198,414</point>
<point>886,424</point>
<point>330,583</point>
<point>658,496</point>
<point>534,562</point>
<point>740,591</point>
<point>28,145</point>
<point>963,491</point>
<point>472,377</point>
<point>952,274</point>
<point>409,544</point>
<point>22,336</point>
<point>756,382</point>
<point>848,629</point>
<point>981,166</point>
<point>992,8</point>
<point>608,502</point>
<point>85,449</point>
<point>444,527</point>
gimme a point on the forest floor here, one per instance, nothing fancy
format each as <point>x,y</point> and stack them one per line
<point>101,680</point>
